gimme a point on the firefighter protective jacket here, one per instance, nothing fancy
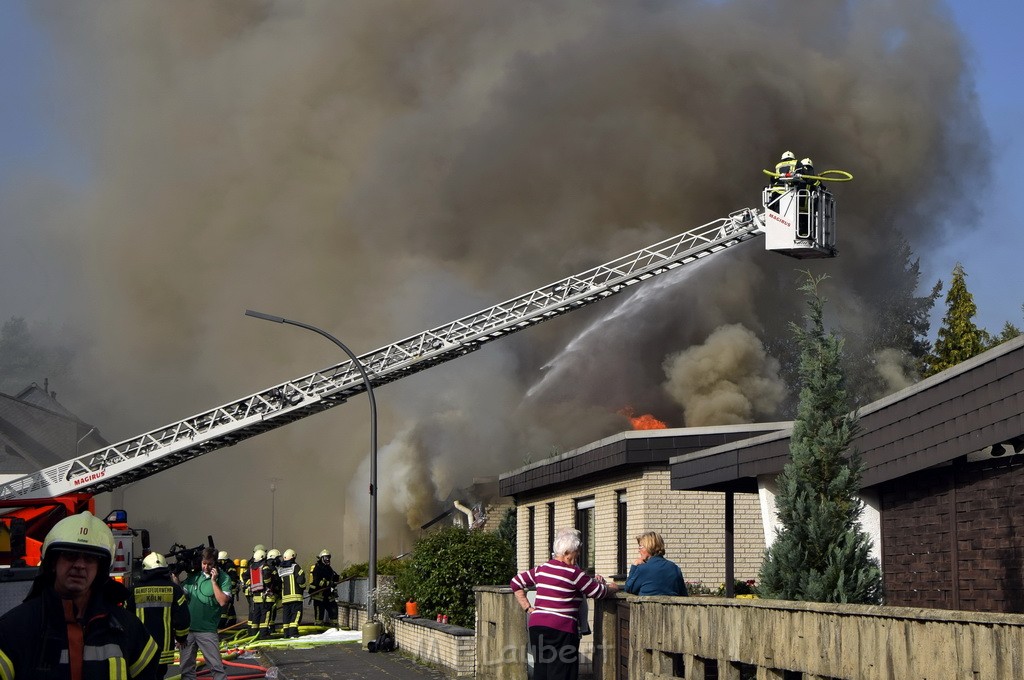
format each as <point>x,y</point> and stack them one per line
<point>112,642</point>
<point>293,581</point>
<point>324,580</point>
<point>263,583</point>
<point>161,605</point>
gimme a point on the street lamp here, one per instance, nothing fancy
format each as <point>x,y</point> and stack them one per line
<point>78,444</point>
<point>371,609</point>
<point>273,509</point>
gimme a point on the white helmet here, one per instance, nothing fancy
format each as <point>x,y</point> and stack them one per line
<point>273,554</point>
<point>83,532</point>
<point>289,554</point>
<point>259,546</point>
<point>807,161</point>
<point>154,560</point>
<point>258,555</point>
<point>325,553</point>
<point>222,555</point>
<point>788,156</point>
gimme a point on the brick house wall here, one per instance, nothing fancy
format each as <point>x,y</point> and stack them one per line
<point>953,537</point>
<point>690,521</point>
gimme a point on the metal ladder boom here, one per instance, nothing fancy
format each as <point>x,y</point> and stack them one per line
<point>134,459</point>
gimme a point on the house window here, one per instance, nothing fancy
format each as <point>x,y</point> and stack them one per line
<point>585,525</point>
<point>551,530</point>
<point>532,537</point>
<point>621,541</point>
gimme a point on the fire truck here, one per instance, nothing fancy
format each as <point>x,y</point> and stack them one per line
<point>797,218</point>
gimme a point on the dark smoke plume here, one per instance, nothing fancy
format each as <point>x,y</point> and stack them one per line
<point>376,168</point>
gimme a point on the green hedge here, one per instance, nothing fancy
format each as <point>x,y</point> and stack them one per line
<point>447,564</point>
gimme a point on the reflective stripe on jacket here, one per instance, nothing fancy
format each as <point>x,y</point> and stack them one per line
<point>34,642</point>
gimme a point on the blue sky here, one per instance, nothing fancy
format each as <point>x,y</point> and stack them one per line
<point>990,252</point>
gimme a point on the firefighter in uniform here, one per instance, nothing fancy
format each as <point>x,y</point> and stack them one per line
<point>785,168</point>
<point>293,583</point>
<point>263,585</point>
<point>228,566</point>
<point>274,560</point>
<point>162,606</point>
<point>73,623</point>
<point>323,581</point>
<point>245,583</point>
<point>809,204</point>
<point>253,580</point>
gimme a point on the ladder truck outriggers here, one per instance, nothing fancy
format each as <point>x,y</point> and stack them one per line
<point>797,219</point>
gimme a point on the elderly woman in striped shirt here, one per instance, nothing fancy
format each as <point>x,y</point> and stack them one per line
<point>554,619</point>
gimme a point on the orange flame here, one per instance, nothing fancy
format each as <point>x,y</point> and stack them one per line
<point>644,422</point>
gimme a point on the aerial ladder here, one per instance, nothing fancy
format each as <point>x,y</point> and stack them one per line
<point>796,221</point>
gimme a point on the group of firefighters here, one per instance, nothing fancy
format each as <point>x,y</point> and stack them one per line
<point>788,168</point>
<point>792,174</point>
<point>79,622</point>
<point>271,582</point>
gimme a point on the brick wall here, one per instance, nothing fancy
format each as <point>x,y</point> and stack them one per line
<point>919,534</point>
<point>692,523</point>
<point>450,647</point>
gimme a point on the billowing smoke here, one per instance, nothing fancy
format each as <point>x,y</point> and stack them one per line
<point>725,381</point>
<point>377,168</point>
<point>895,368</point>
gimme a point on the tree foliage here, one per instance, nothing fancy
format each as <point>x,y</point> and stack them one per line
<point>1009,332</point>
<point>821,554</point>
<point>508,527</point>
<point>958,338</point>
<point>386,566</point>
<point>447,564</point>
<point>886,333</point>
<point>897,329</point>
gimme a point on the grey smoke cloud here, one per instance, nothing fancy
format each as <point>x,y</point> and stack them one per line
<point>727,380</point>
<point>376,168</point>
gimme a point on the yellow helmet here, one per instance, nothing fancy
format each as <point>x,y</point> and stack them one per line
<point>237,562</point>
<point>154,560</point>
<point>289,554</point>
<point>324,553</point>
<point>81,533</point>
<point>243,562</point>
<point>222,555</point>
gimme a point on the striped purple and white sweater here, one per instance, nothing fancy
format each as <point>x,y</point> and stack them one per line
<point>560,590</point>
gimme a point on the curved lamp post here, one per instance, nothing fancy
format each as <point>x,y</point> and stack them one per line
<point>371,609</point>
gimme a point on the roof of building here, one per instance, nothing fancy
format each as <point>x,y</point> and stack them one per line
<point>974,405</point>
<point>623,451</point>
<point>36,432</point>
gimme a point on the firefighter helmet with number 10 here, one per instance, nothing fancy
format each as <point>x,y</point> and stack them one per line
<point>83,532</point>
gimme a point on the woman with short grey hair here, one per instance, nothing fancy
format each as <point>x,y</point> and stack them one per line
<point>566,541</point>
<point>554,619</point>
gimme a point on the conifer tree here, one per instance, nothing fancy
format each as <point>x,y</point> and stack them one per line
<point>899,325</point>
<point>959,338</point>
<point>821,553</point>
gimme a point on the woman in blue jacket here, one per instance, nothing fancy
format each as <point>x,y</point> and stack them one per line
<point>651,573</point>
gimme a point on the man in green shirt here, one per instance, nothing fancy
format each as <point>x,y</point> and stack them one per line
<point>208,592</point>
